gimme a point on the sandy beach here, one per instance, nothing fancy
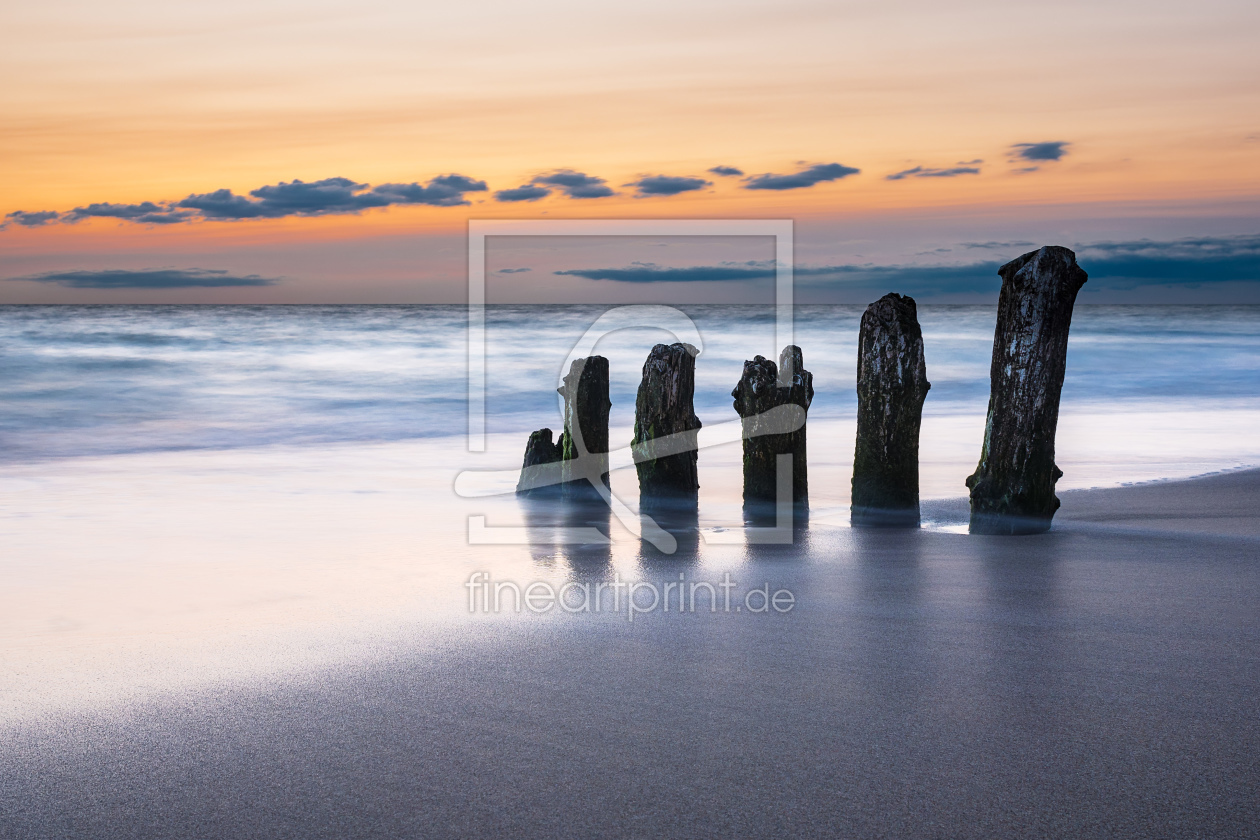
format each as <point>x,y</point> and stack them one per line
<point>1097,680</point>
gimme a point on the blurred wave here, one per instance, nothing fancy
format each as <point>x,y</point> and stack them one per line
<point>96,380</point>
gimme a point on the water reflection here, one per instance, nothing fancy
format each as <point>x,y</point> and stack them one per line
<point>681,519</point>
<point>893,652</point>
<point>792,519</point>
<point>552,523</point>
<point>1021,581</point>
<point>1020,573</point>
<point>889,564</point>
<point>587,560</point>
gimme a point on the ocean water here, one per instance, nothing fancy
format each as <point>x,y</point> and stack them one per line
<point>1151,391</point>
<point>193,495</point>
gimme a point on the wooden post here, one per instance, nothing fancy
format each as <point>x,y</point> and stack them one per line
<point>1012,489</point>
<point>757,393</point>
<point>891,386</point>
<point>584,444</point>
<point>799,393</point>
<point>665,424</point>
<point>540,471</point>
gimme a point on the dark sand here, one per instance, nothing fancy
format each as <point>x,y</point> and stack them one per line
<point>1098,681</point>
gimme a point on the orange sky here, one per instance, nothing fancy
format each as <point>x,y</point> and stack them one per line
<point>145,101</point>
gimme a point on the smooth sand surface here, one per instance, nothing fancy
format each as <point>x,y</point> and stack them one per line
<point>1100,680</point>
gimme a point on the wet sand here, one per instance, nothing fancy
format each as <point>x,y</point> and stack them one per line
<point>1101,680</point>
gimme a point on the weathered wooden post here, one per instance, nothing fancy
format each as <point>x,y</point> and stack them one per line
<point>665,424</point>
<point>799,393</point>
<point>540,471</point>
<point>567,466</point>
<point>891,386</point>
<point>1012,489</point>
<point>769,434</point>
<point>584,444</point>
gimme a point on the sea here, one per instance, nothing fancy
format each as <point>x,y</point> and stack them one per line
<point>1151,391</point>
<point>196,495</point>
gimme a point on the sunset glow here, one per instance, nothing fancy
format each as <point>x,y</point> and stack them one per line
<point>984,121</point>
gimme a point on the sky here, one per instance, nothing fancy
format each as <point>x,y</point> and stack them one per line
<point>334,152</point>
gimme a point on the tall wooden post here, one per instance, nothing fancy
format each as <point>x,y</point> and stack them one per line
<point>768,434</point>
<point>891,386</point>
<point>1012,489</point>
<point>665,424</point>
<point>584,444</point>
<point>540,471</point>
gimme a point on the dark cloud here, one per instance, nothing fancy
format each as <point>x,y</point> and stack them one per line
<point>905,173</point>
<point>513,270</point>
<point>37,219</point>
<point>329,196</point>
<point>989,246</point>
<point>645,272</point>
<point>316,198</point>
<point>288,198</point>
<point>923,280</point>
<point>911,279</point>
<point>923,172</point>
<point>1111,265</point>
<point>224,204</point>
<point>668,184</point>
<point>1053,150</point>
<point>525,192</point>
<point>442,191</point>
<point>726,171</point>
<point>460,183</point>
<point>1188,247</point>
<point>1191,261</point>
<point>575,184</point>
<point>970,162</point>
<point>149,278</point>
<point>146,212</point>
<point>805,178</point>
